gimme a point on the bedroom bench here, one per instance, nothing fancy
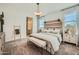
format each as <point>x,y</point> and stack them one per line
<point>38,42</point>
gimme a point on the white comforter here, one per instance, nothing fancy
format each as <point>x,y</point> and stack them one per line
<point>52,38</point>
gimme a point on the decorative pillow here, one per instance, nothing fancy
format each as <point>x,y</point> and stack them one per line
<point>56,31</point>
<point>44,30</point>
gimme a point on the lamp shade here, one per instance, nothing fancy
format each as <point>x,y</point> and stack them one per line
<point>38,13</point>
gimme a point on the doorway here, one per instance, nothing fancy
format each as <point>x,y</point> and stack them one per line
<point>29,25</point>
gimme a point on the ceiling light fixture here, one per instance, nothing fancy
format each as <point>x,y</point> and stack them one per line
<point>38,12</point>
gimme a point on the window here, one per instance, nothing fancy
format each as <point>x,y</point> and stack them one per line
<point>70,21</point>
<point>70,17</point>
<point>41,23</point>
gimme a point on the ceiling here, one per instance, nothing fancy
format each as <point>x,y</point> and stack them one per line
<point>30,8</point>
<point>51,7</point>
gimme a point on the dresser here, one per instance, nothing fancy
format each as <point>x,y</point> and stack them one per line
<point>2,42</point>
<point>70,33</point>
<point>71,38</point>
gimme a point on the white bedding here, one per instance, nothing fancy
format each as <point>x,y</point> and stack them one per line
<point>57,35</point>
<point>52,38</point>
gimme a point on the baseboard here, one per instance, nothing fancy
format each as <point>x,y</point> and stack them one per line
<point>14,40</point>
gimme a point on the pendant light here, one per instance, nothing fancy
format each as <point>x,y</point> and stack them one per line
<point>38,12</point>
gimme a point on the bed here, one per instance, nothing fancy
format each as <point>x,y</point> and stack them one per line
<point>49,38</point>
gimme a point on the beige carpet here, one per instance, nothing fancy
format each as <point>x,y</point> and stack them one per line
<point>22,48</point>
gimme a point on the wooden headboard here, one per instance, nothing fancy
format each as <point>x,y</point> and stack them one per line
<point>53,24</point>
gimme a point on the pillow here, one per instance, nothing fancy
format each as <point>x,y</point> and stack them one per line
<point>56,31</point>
<point>44,30</point>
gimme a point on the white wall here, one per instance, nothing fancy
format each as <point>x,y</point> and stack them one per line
<point>15,14</point>
<point>54,16</point>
